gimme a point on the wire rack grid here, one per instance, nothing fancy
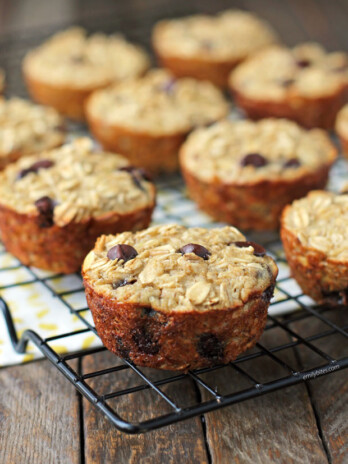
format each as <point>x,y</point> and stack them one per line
<point>302,330</point>
<point>295,331</point>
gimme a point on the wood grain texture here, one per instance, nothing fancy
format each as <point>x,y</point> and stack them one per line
<point>279,427</point>
<point>330,393</point>
<point>39,419</point>
<point>183,442</point>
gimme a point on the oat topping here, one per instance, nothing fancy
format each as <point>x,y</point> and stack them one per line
<point>230,35</point>
<point>278,73</point>
<point>74,59</point>
<point>79,182</point>
<point>27,128</point>
<point>342,122</point>
<point>247,151</point>
<point>157,103</point>
<point>320,221</point>
<point>165,279</point>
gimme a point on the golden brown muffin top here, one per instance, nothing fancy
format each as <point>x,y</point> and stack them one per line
<point>75,183</point>
<point>28,128</point>
<point>279,73</point>
<point>73,59</point>
<point>230,35</point>
<point>158,104</point>
<point>243,152</point>
<point>172,268</point>
<point>320,221</point>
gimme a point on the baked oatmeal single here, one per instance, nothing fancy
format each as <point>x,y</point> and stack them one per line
<point>305,84</point>
<point>245,172</point>
<point>65,69</point>
<point>341,128</point>
<point>175,298</point>
<point>147,119</point>
<point>209,47</point>
<point>314,231</point>
<point>27,128</point>
<point>54,205</point>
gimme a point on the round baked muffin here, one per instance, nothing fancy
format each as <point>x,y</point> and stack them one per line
<point>175,298</point>
<point>54,205</point>
<point>147,119</point>
<point>65,69</point>
<point>27,128</point>
<point>305,84</point>
<point>209,47</point>
<point>341,128</point>
<point>314,231</point>
<point>245,172</point>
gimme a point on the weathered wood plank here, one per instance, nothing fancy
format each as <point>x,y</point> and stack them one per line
<point>39,416</point>
<point>330,393</point>
<point>183,442</point>
<point>279,427</point>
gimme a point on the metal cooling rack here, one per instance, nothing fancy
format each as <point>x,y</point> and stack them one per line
<point>296,329</point>
<point>298,337</point>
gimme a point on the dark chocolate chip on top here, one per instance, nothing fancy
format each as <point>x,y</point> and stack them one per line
<point>254,159</point>
<point>45,206</point>
<point>42,164</point>
<point>292,163</point>
<point>303,63</point>
<point>122,251</point>
<point>258,249</point>
<point>198,250</point>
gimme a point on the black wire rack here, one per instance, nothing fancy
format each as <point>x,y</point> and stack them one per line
<point>304,328</point>
<point>146,379</point>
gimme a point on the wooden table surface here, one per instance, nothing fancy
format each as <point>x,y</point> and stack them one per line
<point>42,418</point>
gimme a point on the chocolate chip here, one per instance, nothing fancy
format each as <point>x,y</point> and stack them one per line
<point>254,159</point>
<point>258,249</point>
<point>149,312</point>
<point>125,252</point>
<point>45,207</point>
<point>210,347</point>
<point>337,298</point>
<point>168,86</point>
<point>122,350</point>
<point>304,63</point>
<point>138,174</point>
<point>287,82</point>
<point>267,295</point>
<point>144,341</point>
<point>198,250</point>
<point>122,283</point>
<point>42,164</point>
<point>292,163</point>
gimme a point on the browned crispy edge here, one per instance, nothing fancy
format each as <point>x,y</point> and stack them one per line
<point>318,276</point>
<point>62,249</point>
<point>177,340</point>
<point>309,112</point>
<point>255,206</point>
<point>155,153</point>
